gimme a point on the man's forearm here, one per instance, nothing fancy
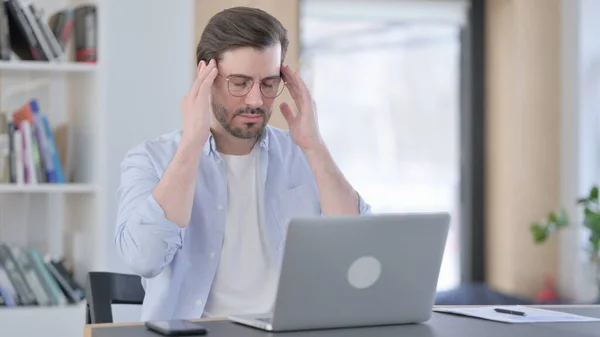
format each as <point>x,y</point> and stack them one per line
<point>175,191</point>
<point>336,194</point>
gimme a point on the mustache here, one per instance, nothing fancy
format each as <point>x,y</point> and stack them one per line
<point>250,111</point>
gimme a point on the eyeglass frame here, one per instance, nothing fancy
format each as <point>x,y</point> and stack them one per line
<point>228,78</point>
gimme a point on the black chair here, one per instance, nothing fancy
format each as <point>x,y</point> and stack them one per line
<point>105,288</point>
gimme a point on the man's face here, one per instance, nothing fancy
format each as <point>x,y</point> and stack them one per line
<point>245,116</point>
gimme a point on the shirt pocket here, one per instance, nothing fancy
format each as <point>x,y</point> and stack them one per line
<point>299,201</point>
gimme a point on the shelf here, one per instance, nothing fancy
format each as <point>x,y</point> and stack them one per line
<point>47,188</point>
<point>76,307</point>
<point>43,66</point>
<point>66,321</point>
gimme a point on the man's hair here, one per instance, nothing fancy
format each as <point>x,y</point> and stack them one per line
<point>240,27</point>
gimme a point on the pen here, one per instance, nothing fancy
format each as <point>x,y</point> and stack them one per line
<point>511,312</point>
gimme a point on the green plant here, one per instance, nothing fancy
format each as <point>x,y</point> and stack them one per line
<point>592,220</point>
<point>553,222</point>
<point>559,219</point>
<point>556,220</point>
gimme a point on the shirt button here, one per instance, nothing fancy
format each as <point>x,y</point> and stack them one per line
<point>212,255</point>
<point>220,207</point>
<point>199,302</point>
<point>220,161</point>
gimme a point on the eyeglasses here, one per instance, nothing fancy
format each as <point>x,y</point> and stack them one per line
<point>239,85</point>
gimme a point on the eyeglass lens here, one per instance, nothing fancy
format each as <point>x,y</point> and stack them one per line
<point>240,86</point>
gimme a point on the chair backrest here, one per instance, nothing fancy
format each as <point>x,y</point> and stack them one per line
<point>105,288</point>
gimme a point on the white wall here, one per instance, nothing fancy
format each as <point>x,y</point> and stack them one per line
<point>580,136</point>
<point>147,56</point>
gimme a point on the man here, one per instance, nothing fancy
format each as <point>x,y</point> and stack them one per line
<point>203,211</point>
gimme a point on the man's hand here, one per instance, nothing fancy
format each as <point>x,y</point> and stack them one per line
<point>336,194</point>
<point>303,126</point>
<point>195,106</point>
<point>175,190</point>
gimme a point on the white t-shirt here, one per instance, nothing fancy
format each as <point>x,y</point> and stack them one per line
<point>246,278</point>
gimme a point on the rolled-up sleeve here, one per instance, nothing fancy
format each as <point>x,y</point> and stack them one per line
<point>363,207</point>
<point>145,239</point>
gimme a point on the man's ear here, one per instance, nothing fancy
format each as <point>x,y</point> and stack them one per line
<point>200,66</point>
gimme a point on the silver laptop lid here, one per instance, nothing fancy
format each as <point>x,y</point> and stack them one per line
<point>360,270</point>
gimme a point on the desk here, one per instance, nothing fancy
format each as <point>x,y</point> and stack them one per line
<point>440,325</point>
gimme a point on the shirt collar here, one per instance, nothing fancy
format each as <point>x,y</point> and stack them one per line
<point>211,146</point>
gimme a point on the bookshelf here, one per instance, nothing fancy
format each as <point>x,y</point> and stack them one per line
<point>60,219</point>
<point>131,94</point>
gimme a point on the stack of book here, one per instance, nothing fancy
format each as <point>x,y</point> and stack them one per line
<point>29,279</point>
<point>28,148</point>
<point>25,31</point>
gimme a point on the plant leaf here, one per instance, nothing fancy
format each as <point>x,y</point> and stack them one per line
<point>562,218</point>
<point>594,194</point>
<point>551,217</point>
<point>588,212</point>
<point>540,233</point>
<point>594,224</point>
<point>590,218</point>
<point>595,241</point>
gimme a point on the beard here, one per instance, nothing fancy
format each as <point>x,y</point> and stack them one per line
<point>250,130</point>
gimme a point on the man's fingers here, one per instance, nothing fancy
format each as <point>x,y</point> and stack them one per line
<point>291,83</point>
<point>287,113</point>
<point>288,76</point>
<point>302,88</point>
<point>298,90</point>
<point>202,76</point>
<point>196,85</point>
<point>208,81</point>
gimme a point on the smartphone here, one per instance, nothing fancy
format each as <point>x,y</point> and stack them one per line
<point>177,327</point>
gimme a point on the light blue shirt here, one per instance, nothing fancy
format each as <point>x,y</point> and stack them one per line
<point>177,265</point>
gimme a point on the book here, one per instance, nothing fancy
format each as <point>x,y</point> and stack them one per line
<point>25,31</point>
<point>71,288</point>
<point>5,45</point>
<point>5,170</point>
<point>61,25</point>
<point>23,40</point>
<point>17,158</point>
<point>85,34</point>
<point>30,275</point>
<point>30,155</point>
<point>29,152</point>
<point>40,41</point>
<point>29,278</point>
<point>50,283</point>
<point>9,294</point>
<point>18,280</point>
<point>54,50</point>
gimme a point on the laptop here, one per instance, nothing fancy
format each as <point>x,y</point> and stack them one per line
<point>352,271</point>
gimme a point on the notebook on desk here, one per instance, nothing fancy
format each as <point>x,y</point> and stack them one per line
<point>517,314</point>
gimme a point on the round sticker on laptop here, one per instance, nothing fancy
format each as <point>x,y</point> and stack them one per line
<point>364,272</point>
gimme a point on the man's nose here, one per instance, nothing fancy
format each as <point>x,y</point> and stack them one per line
<point>254,97</point>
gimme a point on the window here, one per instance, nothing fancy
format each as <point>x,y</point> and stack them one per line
<point>387,88</point>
